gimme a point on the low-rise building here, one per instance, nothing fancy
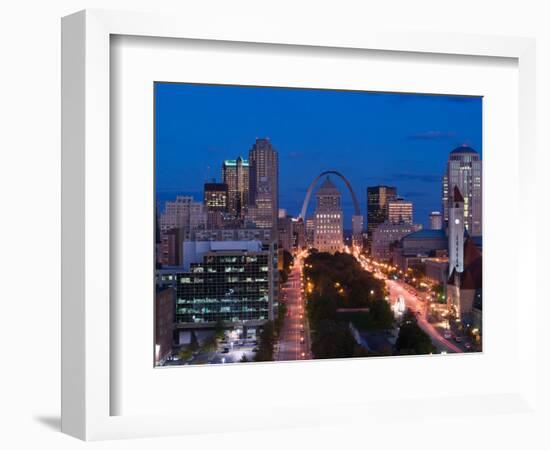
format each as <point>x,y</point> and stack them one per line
<point>414,248</point>
<point>387,234</point>
<point>437,269</point>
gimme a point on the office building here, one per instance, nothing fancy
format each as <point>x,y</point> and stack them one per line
<point>235,174</point>
<point>284,231</point>
<point>400,211</point>
<point>386,235</point>
<point>436,220</point>
<point>263,184</point>
<point>464,170</point>
<point>185,213</point>
<point>216,203</point>
<point>298,233</point>
<point>377,206</point>
<point>164,323</point>
<point>229,281</point>
<point>328,227</point>
<point>265,236</point>
<point>413,249</point>
<point>310,231</point>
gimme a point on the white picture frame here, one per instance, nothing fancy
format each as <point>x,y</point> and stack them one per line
<point>86,219</point>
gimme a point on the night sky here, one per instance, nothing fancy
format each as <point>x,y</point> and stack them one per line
<point>402,140</point>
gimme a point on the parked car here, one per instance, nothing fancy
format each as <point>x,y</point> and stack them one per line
<point>225,350</point>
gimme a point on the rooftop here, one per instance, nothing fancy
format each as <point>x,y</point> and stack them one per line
<point>426,234</point>
<point>328,187</point>
<point>233,162</point>
<point>464,149</point>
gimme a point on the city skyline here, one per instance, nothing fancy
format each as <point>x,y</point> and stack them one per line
<point>200,126</point>
<point>254,275</point>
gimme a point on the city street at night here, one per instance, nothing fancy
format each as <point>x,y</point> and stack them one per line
<point>418,307</point>
<point>294,339</point>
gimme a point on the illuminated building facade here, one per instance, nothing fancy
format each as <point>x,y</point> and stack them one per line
<point>400,211</point>
<point>235,174</point>
<point>328,219</point>
<point>464,169</point>
<point>263,184</point>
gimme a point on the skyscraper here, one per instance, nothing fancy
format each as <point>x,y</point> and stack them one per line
<point>216,202</point>
<point>235,174</point>
<point>377,205</point>
<point>329,226</point>
<point>263,184</point>
<point>400,211</point>
<point>464,170</point>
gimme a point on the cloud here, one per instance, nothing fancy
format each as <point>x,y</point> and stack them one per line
<point>433,135</point>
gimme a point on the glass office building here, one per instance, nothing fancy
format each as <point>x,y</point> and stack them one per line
<point>228,286</point>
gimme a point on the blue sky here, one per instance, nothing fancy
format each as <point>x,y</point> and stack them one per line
<point>401,140</point>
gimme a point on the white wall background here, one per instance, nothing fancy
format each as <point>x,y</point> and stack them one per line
<point>29,227</point>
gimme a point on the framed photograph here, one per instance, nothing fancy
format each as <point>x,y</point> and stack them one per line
<point>254,218</point>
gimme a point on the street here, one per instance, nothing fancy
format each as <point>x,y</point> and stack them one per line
<point>294,342</point>
<point>419,308</point>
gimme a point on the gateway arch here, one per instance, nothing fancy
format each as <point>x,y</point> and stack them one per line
<point>357,218</point>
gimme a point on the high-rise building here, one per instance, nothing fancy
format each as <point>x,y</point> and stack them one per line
<point>235,174</point>
<point>263,184</point>
<point>284,230</point>
<point>298,233</point>
<point>357,230</point>
<point>377,205</point>
<point>465,171</point>
<point>329,226</point>
<point>310,231</point>
<point>400,211</point>
<point>436,220</point>
<point>216,202</point>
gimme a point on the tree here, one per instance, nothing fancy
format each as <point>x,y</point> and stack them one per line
<point>288,259</point>
<point>267,343</point>
<point>412,340</point>
<point>283,276</point>
<point>321,308</point>
<point>382,315</point>
<point>219,330</point>
<point>194,345</point>
<point>333,340</point>
<point>184,354</point>
<point>210,344</point>
<point>281,313</point>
